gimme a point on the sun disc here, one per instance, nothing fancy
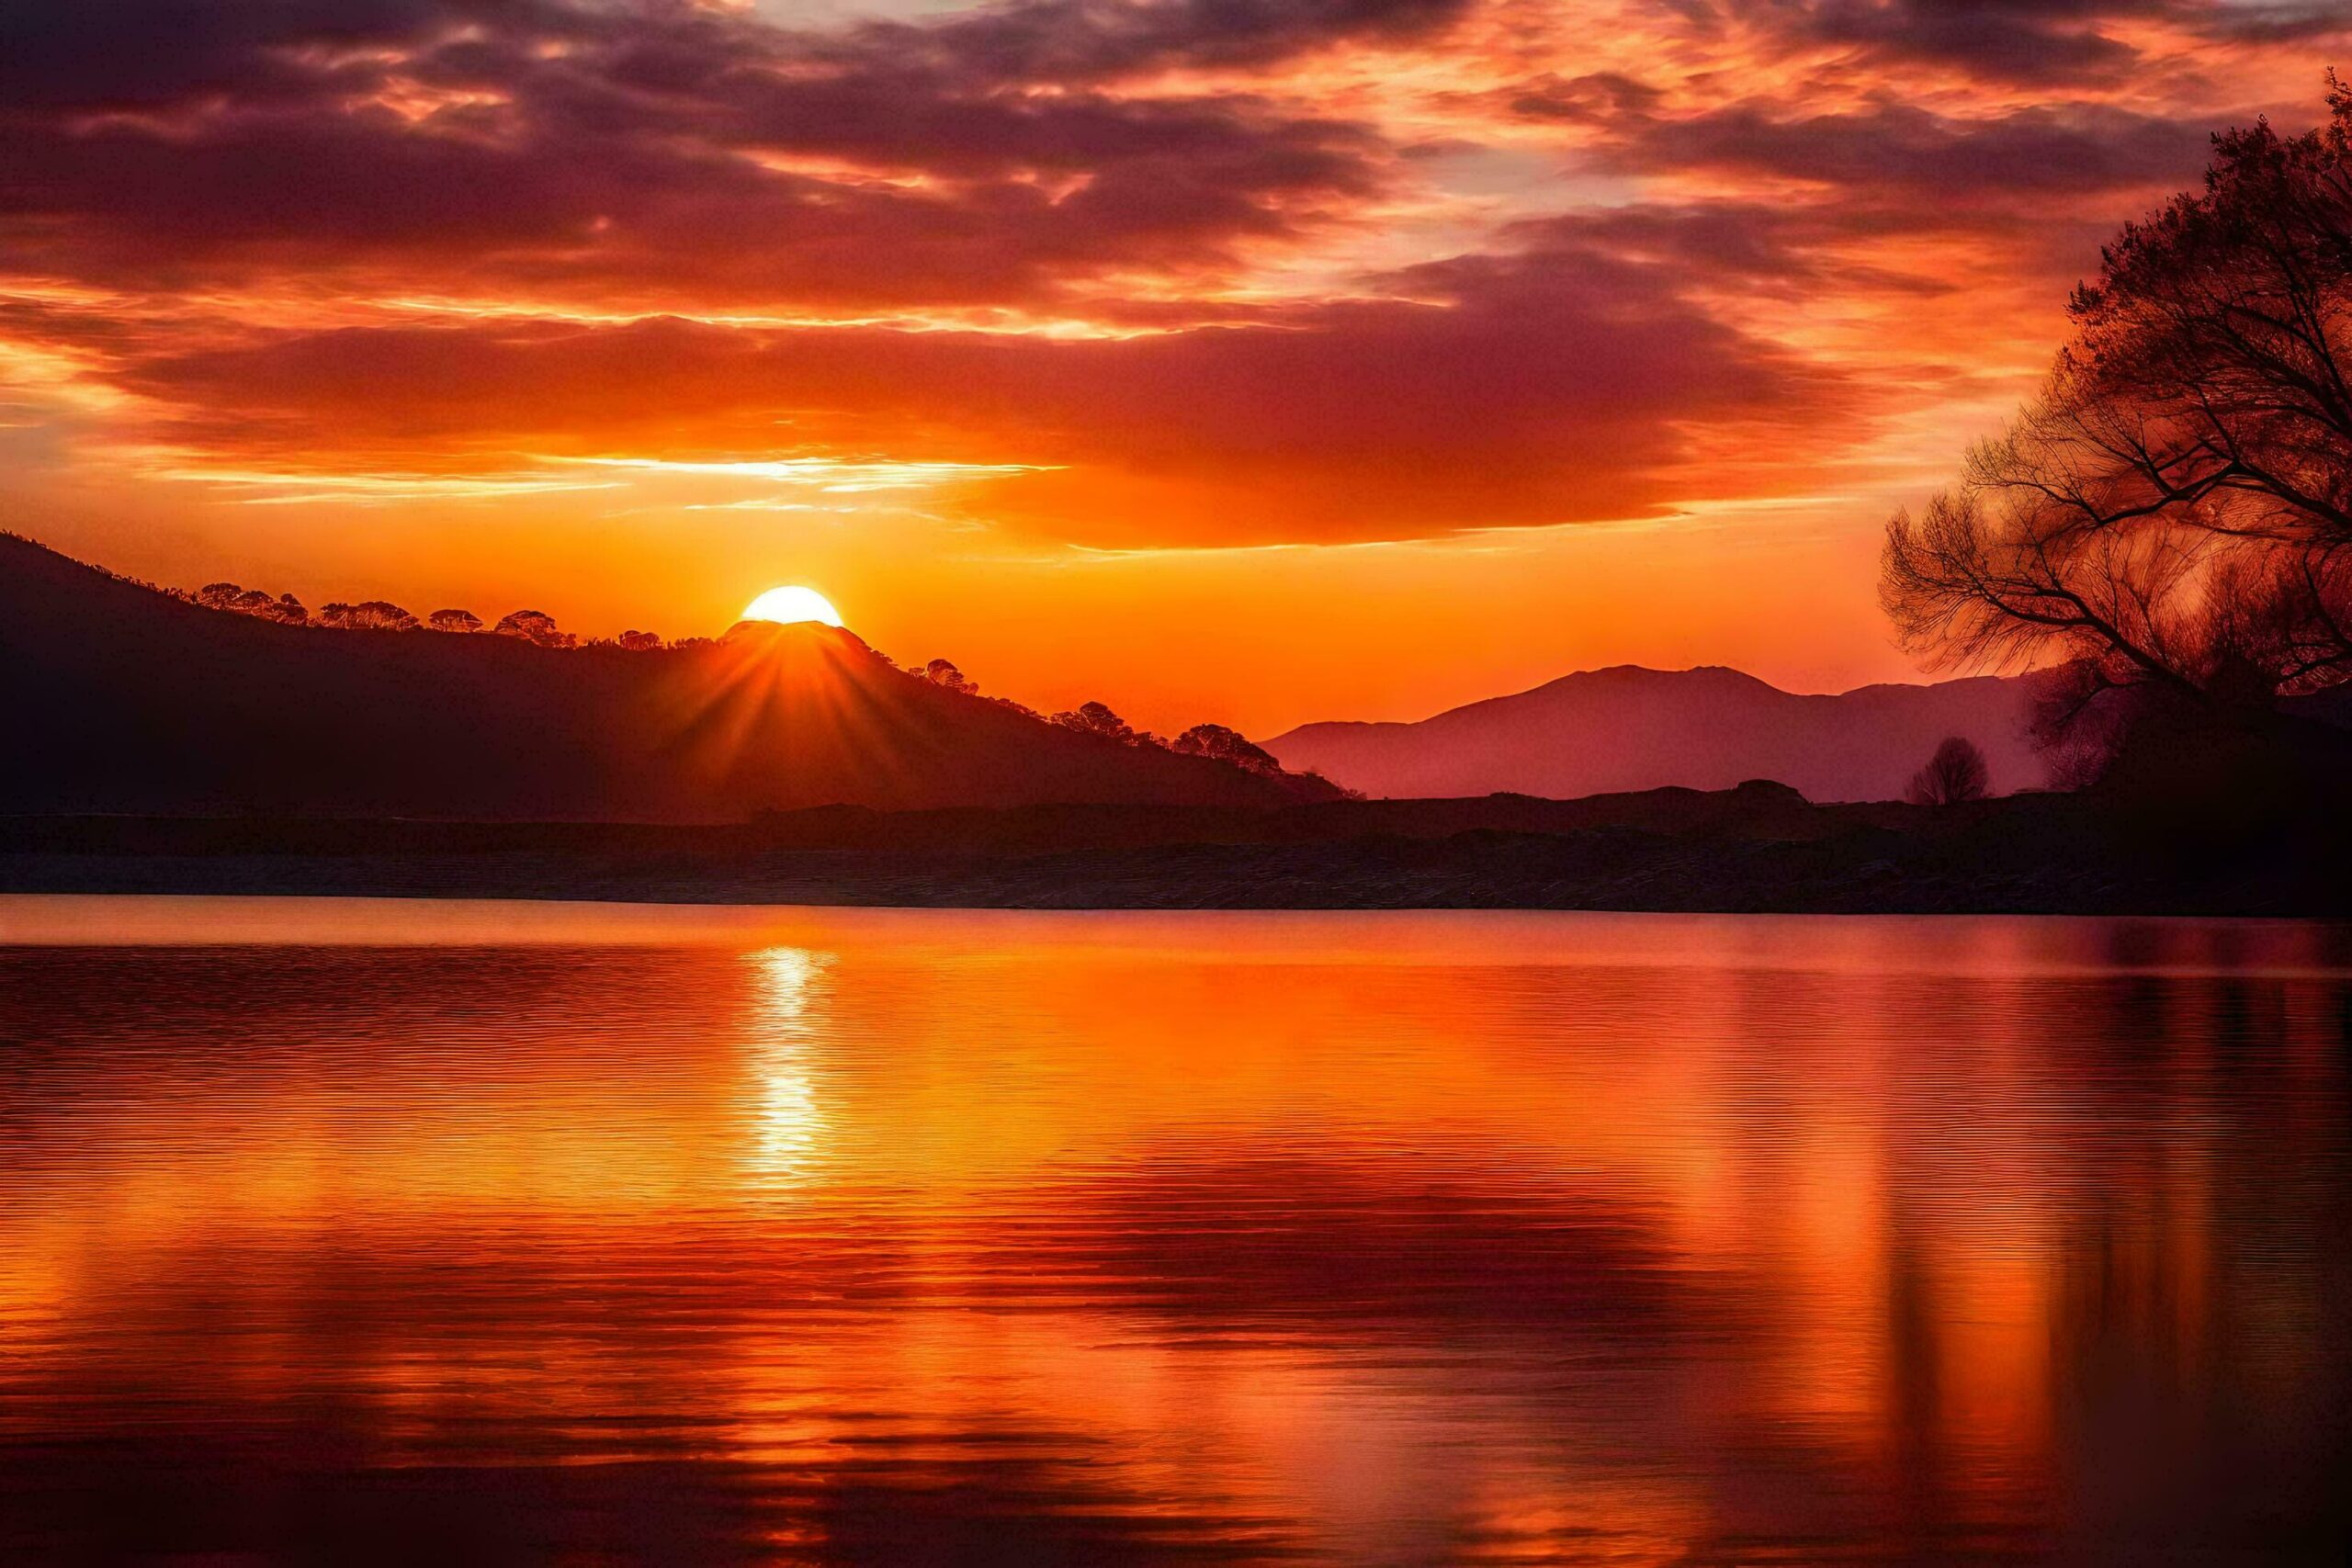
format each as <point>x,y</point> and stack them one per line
<point>791,605</point>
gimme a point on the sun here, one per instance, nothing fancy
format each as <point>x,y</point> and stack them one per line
<point>790,605</point>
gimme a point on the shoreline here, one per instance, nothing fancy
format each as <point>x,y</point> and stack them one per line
<point>1758,848</point>
<point>1499,876</point>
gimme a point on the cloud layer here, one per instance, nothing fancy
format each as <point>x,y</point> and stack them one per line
<point>1175,272</point>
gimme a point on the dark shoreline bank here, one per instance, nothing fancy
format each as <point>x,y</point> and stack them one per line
<point>1757,849</point>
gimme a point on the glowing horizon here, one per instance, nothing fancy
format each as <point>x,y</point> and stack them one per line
<point>793,605</point>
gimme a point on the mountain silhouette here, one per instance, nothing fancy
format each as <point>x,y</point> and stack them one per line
<point>1604,731</point>
<point>117,698</point>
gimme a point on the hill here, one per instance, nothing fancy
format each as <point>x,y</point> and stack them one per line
<point>1629,728</point>
<point>116,698</point>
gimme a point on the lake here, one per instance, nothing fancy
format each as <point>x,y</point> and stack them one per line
<point>407,1232</point>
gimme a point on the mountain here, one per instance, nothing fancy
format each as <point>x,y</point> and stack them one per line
<point>1630,729</point>
<point>117,698</point>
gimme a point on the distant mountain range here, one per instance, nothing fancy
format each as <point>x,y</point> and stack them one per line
<point>1603,731</point>
<point>116,698</point>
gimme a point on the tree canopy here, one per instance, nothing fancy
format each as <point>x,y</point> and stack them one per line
<point>1097,719</point>
<point>941,673</point>
<point>373,615</point>
<point>2174,509</point>
<point>534,627</point>
<point>1956,772</point>
<point>1226,746</point>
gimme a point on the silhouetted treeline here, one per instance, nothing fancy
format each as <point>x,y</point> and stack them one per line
<point>534,627</point>
<point>1099,719</point>
<point>1095,720</point>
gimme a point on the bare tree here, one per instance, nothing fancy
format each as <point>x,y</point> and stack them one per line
<point>2173,513</point>
<point>454,621</point>
<point>1956,772</point>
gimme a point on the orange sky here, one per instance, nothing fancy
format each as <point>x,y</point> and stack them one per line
<point>1247,360</point>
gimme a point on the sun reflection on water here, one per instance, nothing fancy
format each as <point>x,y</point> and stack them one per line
<point>789,1126</point>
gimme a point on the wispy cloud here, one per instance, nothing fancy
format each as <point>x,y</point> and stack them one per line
<point>831,475</point>
<point>258,487</point>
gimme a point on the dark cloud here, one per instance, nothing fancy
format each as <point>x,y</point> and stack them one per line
<point>151,54</point>
<point>1089,40</point>
<point>666,155</point>
<point>1893,147</point>
<point>2280,21</point>
<point>650,150</point>
<point>2035,42</point>
<point>2010,40</point>
<point>98,55</point>
<point>1595,98</point>
<point>365,196</point>
<point>1781,249</point>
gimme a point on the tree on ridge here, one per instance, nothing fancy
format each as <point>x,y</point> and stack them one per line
<point>1096,718</point>
<point>535,626</point>
<point>1225,745</point>
<point>940,673</point>
<point>378,616</point>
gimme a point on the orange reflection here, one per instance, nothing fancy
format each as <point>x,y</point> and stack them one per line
<point>1384,1236</point>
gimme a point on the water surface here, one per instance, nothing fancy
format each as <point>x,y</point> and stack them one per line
<point>404,1233</point>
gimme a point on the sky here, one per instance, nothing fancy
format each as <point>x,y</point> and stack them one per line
<point>1252,361</point>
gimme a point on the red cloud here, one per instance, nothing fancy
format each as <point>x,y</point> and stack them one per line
<point>1556,385</point>
<point>255,183</point>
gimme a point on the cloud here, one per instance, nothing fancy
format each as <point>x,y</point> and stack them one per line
<point>563,150</point>
<point>1561,382</point>
<point>2019,155</point>
<point>1069,41</point>
<point>2278,21</point>
<point>2071,45</point>
<point>1148,271</point>
<point>1596,98</point>
<point>2025,42</point>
